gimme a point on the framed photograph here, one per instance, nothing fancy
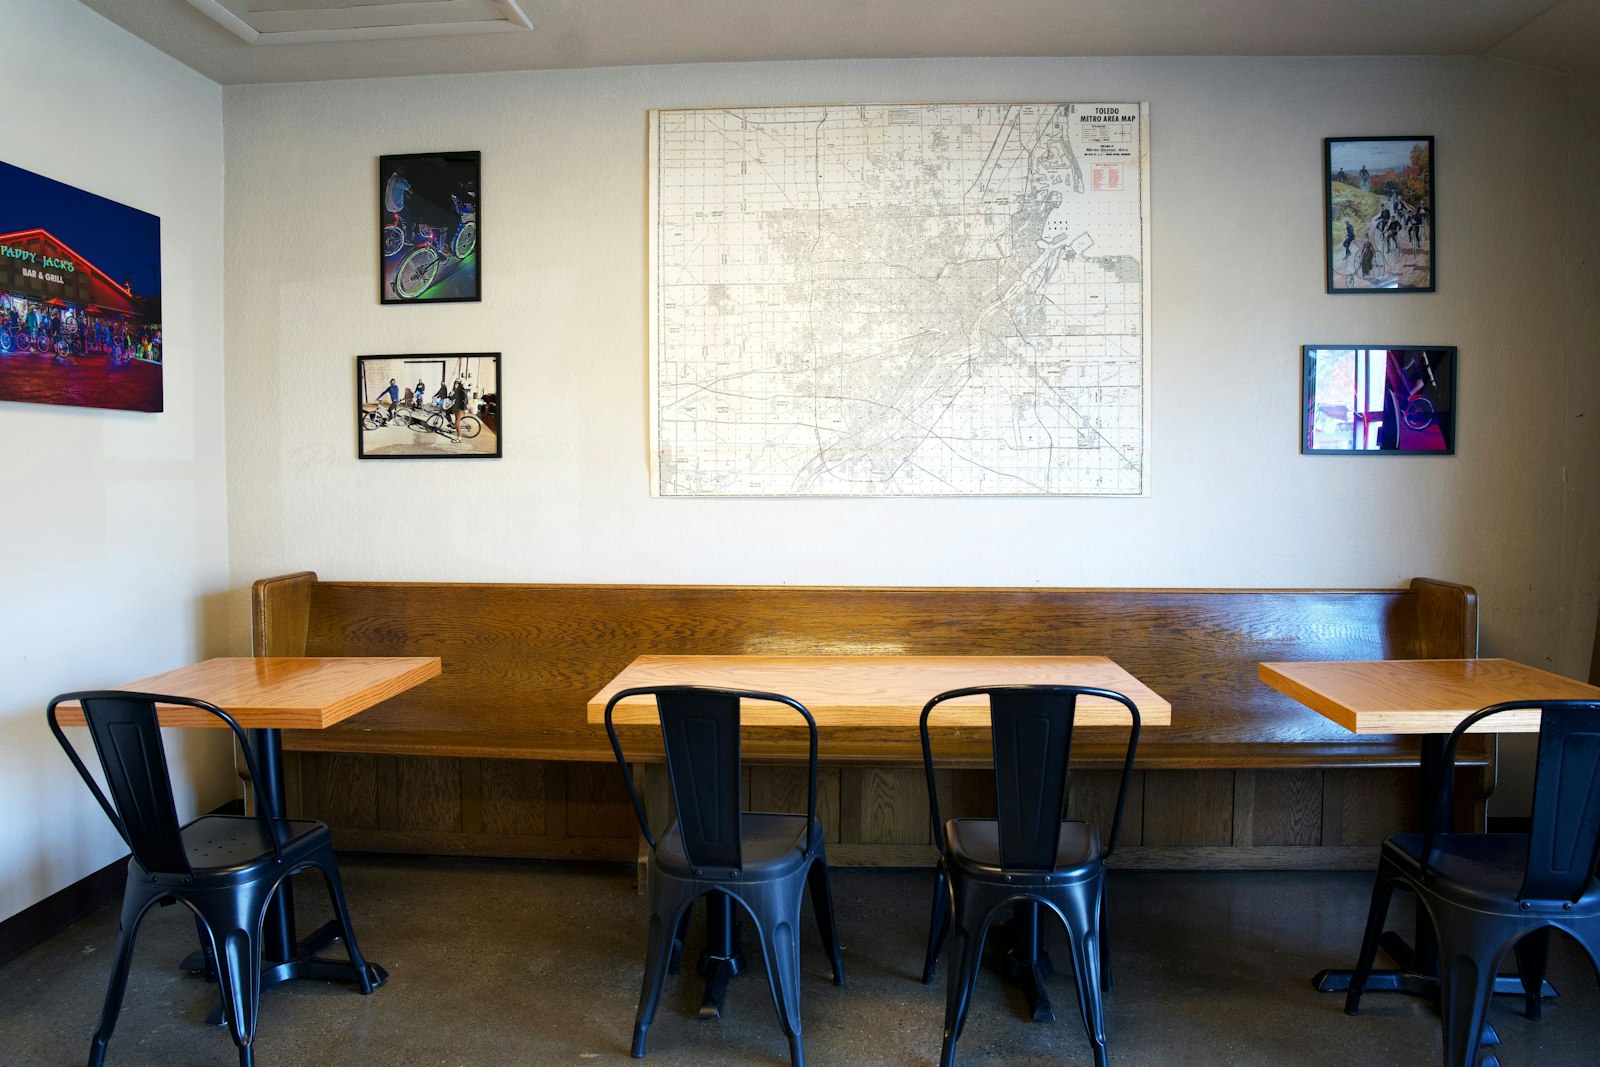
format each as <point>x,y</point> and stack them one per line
<point>1378,206</point>
<point>430,238</point>
<point>1378,401</point>
<point>80,297</point>
<point>428,407</point>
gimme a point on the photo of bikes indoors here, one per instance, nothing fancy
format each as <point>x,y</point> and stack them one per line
<point>428,406</point>
<point>428,228</point>
<point>1381,400</point>
<point>80,297</point>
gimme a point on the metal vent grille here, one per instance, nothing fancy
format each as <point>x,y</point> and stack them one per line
<point>311,21</point>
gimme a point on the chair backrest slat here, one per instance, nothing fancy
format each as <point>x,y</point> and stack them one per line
<point>127,738</point>
<point>1565,833</point>
<point>1032,731</point>
<point>701,732</point>
<point>700,729</point>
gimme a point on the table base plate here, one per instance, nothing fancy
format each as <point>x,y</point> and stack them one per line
<point>305,963</point>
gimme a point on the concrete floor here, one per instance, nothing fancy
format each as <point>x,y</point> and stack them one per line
<point>506,962</point>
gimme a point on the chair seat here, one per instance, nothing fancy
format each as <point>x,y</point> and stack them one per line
<point>772,846</point>
<point>1481,870</point>
<point>225,848</point>
<point>975,845</point>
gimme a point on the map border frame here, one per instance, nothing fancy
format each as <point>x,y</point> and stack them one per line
<point>652,310</point>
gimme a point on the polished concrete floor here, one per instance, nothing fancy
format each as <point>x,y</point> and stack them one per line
<point>502,962</point>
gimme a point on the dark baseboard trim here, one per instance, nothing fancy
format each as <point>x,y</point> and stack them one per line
<point>56,912</point>
<point>44,920</point>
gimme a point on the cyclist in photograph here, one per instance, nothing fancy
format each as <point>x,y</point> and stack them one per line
<point>419,393</point>
<point>1392,234</point>
<point>1349,237</point>
<point>392,395</point>
<point>458,402</point>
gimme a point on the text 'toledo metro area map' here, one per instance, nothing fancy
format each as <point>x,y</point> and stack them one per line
<point>899,300</point>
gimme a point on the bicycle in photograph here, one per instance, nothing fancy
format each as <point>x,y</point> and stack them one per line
<point>15,340</point>
<point>380,416</point>
<point>444,422</point>
<point>420,267</point>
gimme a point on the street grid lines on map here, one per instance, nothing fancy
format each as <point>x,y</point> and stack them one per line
<point>899,300</point>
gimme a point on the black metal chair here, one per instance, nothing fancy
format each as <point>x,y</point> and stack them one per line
<point>762,861</point>
<point>223,868</point>
<point>1029,855</point>
<point>1487,894</point>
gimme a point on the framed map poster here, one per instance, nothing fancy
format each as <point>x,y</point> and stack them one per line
<point>899,300</point>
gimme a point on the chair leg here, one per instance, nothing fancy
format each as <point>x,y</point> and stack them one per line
<point>666,913</point>
<point>1105,938</point>
<point>238,952</point>
<point>938,924</point>
<point>1533,954</point>
<point>133,905</point>
<point>1466,980</point>
<point>782,951</point>
<point>822,907</point>
<point>1085,945</point>
<point>330,871</point>
<point>966,952</point>
<point>1382,891</point>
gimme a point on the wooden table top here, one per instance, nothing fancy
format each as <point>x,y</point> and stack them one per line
<point>1421,696</point>
<point>301,693</point>
<point>844,691</point>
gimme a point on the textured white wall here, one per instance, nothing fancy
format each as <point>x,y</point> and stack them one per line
<point>1237,288</point>
<point>112,524</point>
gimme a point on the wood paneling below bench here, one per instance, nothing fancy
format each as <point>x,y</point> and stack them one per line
<point>494,757</point>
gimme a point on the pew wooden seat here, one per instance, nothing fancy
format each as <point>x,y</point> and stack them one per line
<point>494,757</point>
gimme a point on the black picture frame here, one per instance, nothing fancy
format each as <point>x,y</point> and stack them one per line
<point>1336,401</point>
<point>1379,223</point>
<point>430,229</point>
<point>407,429</point>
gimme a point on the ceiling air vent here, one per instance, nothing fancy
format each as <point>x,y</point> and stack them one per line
<point>311,21</point>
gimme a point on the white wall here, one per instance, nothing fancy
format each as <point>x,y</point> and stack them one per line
<point>113,525</point>
<point>1237,288</point>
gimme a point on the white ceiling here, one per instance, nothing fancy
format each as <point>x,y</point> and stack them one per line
<point>1559,34</point>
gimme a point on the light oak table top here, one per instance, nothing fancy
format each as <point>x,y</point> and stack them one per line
<point>1421,696</point>
<point>289,693</point>
<point>846,691</point>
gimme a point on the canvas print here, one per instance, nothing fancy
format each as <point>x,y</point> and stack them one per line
<point>428,406</point>
<point>80,297</point>
<point>1379,212</point>
<point>429,230</point>
<point>1378,400</point>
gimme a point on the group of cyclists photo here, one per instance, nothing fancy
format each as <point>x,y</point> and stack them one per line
<point>456,415</point>
<point>65,332</point>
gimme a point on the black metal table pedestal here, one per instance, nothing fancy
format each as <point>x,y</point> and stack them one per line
<point>1418,970</point>
<point>283,957</point>
<point>1027,962</point>
<point>722,959</point>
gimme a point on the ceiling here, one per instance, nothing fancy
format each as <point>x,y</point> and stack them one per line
<point>314,40</point>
